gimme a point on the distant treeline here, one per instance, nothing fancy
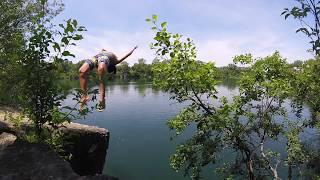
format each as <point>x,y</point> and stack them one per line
<point>233,72</point>
<point>138,71</point>
<point>141,71</point>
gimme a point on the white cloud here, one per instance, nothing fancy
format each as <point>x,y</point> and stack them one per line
<point>115,41</point>
<point>220,50</point>
<point>261,44</point>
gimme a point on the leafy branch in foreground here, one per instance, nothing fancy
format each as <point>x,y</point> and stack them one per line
<point>307,89</point>
<point>18,18</point>
<point>40,92</point>
<point>302,13</point>
<point>242,127</point>
<point>187,80</point>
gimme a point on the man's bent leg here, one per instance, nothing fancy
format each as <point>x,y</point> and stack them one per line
<point>83,71</point>
<point>101,72</point>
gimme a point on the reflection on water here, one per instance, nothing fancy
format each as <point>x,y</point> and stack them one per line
<point>230,84</point>
<point>124,89</point>
<point>142,89</point>
<point>140,146</point>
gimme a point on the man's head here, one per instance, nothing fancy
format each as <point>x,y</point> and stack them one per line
<point>112,68</point>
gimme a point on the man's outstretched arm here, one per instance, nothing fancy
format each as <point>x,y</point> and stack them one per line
<point>127,55</point>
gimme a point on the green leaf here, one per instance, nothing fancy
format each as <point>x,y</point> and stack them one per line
<point>43,2</point>
<point>65,40</point>
<point>285,11</point>
<point>286,16</point>
<point>67,53</point>
<point>75,23</point>
<point>77,37</point>
<point>172,54</point>
<point>69,28</point>
<point>49,35</point>
<point>164,24</point>
<point>304,30</point>
<point>82,28</point>
<point>56,47</point>
<point>155,17</point>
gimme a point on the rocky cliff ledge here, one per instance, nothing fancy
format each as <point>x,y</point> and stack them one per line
<point>87,146</point>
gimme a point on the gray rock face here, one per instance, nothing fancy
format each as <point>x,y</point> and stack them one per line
<point>6,139</point>
<point>21,160</point>
<point>88,146</point>
<point>6,127</point>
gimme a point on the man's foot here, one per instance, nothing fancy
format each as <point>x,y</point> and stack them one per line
<point>84,99</point>
<point>83,102</point>
<point>101,106</point>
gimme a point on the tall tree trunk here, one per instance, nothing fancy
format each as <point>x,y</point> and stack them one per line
<point>250,169</point>
<point>290,172</point>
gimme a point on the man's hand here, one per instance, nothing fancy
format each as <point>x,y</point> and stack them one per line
<point>120,60</point>
<point>133,49</point>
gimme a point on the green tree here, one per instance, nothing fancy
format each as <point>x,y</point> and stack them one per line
<point>17,20</point>
<point>297,64</point>
<point>40,94</point>
<point>141,70</point>
<point>230,72</point>
<point>305,10</point>
<point>155,61</point>
<point>263,91</point>
<point>307,78</point>
<point>186,79</point>
<point>307,88</point>
<point>306,84</point>
<point>243,125</point>
<point>39,90</point>
<point>123,71</point>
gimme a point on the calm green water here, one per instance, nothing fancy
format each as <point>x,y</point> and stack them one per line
<point>140,143</point>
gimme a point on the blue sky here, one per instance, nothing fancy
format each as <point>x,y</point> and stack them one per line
<point>221,29</point>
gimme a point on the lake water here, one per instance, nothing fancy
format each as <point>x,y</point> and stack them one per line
<point>140,144</point>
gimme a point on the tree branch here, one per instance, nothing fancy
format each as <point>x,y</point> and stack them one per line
<point>200,102</point>
<point>273,169</point>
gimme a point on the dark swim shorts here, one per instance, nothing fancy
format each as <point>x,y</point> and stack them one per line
<point>94,62</point>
